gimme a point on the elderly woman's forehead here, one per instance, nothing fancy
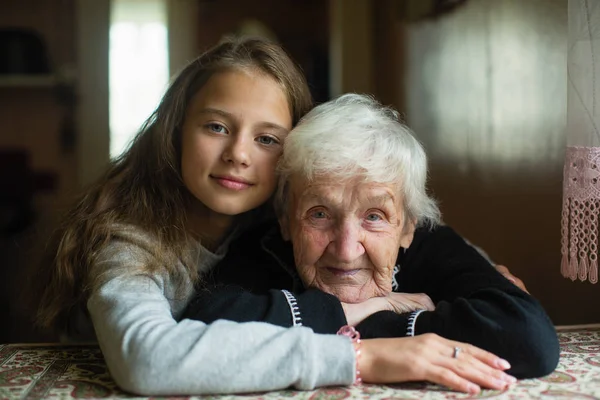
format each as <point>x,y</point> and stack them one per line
<point>331,185</point>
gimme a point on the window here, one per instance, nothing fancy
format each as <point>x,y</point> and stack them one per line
<point>138,66</point>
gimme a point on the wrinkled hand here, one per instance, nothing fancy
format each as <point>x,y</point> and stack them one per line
<point>399,303</point>
<point>505,271</point>
<point>430,357</point>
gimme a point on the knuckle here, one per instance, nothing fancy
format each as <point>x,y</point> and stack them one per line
<point>447,376</point>
<point>460,368</point>
<point>469,348</point>
<point>429,338</point>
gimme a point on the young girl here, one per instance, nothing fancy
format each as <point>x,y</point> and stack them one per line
<point>137,241</point>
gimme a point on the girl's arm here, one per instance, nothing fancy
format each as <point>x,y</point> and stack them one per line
<point>149,352</point>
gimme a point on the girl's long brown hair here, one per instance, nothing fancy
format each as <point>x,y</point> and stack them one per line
<point>143,188</point>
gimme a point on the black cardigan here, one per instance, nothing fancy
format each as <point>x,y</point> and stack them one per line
<point>474,303</point>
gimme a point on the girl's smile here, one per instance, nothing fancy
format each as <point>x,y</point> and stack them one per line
<point>231,182</point>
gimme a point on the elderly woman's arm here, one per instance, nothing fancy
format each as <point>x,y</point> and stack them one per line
<point>252,284</point>
<point>320,311</point>
<point>312,308</point>
<point>474,304</point>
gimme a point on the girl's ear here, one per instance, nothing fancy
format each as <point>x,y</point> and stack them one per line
<point>284,228</point>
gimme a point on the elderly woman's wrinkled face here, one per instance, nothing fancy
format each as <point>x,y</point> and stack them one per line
<point>346,236</point>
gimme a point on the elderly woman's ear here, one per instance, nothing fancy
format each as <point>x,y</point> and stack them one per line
<point>408,232</point>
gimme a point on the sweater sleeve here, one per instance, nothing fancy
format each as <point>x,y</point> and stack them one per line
<point>149,352</point>
<point>312,308</point>
<point>474,304</point>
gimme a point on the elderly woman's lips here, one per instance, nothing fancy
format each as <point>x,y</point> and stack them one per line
<point>342,272</point>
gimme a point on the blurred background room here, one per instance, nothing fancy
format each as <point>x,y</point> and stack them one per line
<point>483,83</point>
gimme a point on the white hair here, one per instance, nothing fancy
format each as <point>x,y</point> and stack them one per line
<point>354,135</point>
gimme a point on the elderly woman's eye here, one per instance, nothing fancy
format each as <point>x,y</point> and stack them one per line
<point>318,214</point>
<point>374,217</point>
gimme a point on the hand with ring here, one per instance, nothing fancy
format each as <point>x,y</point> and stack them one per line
<point>458,366</point>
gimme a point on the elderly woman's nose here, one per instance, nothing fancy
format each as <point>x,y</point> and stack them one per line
<point>346,245</point>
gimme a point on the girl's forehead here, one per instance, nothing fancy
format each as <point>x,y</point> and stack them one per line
<point>242,94</point>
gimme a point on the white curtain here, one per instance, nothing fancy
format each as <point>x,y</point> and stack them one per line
<point>581,181</point>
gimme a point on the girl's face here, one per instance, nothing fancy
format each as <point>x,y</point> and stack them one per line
<point>232,137</point>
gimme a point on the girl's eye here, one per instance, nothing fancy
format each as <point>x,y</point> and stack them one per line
<point>268,140</point>
<point>217,128</point>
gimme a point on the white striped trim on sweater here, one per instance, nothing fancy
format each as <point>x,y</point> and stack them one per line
<point>295,310</point>
<point>412,320</point>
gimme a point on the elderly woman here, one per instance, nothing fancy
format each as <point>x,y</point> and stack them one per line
<point>357,228</point>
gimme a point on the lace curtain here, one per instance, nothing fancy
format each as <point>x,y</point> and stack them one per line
<point>581,181</point>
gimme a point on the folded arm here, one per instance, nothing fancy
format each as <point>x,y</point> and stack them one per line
<point>312,308</point>
<point>474,304</point>
<point>148,351</point>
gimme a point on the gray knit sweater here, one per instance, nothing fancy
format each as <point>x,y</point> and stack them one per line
<point>150,351</point>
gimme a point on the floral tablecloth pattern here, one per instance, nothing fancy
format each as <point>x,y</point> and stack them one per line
<point>74,372</point>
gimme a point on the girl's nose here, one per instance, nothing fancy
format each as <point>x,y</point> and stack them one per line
<point>238,151</point>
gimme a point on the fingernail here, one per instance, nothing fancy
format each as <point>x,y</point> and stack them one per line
<point>500,384</point>
<point>503,363</point>
<point>510,379</point>
<point>473,389</point>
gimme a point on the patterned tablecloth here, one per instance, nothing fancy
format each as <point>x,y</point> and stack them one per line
<point>54,371</point>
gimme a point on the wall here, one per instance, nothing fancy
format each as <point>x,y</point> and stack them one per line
<point>485,90</point>
<point>302,27</point>
<point>33,118</point>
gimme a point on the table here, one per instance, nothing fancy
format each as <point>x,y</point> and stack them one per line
<point>33,371</point>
